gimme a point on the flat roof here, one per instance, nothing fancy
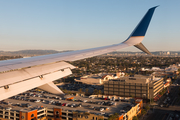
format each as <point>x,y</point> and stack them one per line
<point>143,79</point>
<point>112,109</point>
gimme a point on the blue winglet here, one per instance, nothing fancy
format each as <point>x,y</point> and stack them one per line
<point>141,28</point>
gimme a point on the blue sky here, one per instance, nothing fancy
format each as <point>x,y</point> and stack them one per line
<point>80,24</point>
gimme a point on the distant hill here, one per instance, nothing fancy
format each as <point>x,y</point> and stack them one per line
<point>29,52</point>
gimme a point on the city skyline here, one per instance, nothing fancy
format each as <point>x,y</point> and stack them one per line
<point>74,25</point>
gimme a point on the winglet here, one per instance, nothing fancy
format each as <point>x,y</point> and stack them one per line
<point>142,27</point>
<point>143,48</point>
<point>139,32</point>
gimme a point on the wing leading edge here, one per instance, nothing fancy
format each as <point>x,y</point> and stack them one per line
<point>27,67</point>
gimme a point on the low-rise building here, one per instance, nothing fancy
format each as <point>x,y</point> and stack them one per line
<point>137,86</point>
<point>100,78</point>
<point>91,109</point>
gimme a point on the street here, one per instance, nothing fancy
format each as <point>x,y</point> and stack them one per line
<point>170,112</point>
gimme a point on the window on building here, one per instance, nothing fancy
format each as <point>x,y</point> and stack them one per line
<point>63,117</point>
<point>32,115</point>
<point>50,112</point>
<point>70,114</point>
<point>12,114</point>
<point>57,112</point>
<point>50,116</point>
<point>40,112</point>
<point>63,113</point>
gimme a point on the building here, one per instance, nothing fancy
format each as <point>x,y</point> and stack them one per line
<point>21,108</point>
<point>100,78</point>
<point>59,114</point>
<point>132,110</point>
<point>137,86</point>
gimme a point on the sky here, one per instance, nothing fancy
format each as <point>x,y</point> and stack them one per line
<point>81,24</point>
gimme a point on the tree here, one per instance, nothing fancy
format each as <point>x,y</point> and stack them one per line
<point>147,107</point>
<point>175,77</point>
<point>86,91</point>
<point>151,100</point>
<point>165,77</point>
<point>114,116</point>
<point>80,90</point>
<point>143,112</point>
<point>69,92</point>
<point>95,92</point>
<point>161,93</point>
<point>65,91</point>
<point>135,118</point>
<point>99,91</point>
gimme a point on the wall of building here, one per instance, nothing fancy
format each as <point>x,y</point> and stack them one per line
<point>134,111</point>
<point>87,116</point>
<point>124,89</point>
<point>146,90</point>
<point>8,114</point>
<point>57,113</point>
<point>157,86</point>
<point>31,115</point>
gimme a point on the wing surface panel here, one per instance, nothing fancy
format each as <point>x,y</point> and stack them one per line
<point>32,83</point>
<point>67,56</point>
<point>29,73</point>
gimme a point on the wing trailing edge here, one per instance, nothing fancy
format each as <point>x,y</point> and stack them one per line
<point>52,88</point>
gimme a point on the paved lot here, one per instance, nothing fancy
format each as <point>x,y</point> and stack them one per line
<point>157,115</point>
<point>84,87</point>
<point>86,107</point>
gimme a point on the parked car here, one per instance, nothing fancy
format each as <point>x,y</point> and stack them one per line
<point>64,104</point>
<point>37,100</point>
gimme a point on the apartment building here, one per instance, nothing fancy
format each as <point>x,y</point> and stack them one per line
<point>138,86</point>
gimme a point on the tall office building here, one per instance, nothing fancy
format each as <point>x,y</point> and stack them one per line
<point>138,86</point>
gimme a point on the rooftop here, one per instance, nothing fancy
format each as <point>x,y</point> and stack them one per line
<point>88,105</point>
<point>143,79</point>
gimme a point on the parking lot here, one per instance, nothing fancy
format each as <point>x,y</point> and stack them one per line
<point>34,99</point>
<point>76,87</point>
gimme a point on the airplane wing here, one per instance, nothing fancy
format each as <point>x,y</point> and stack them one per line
<point>19,75</point>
